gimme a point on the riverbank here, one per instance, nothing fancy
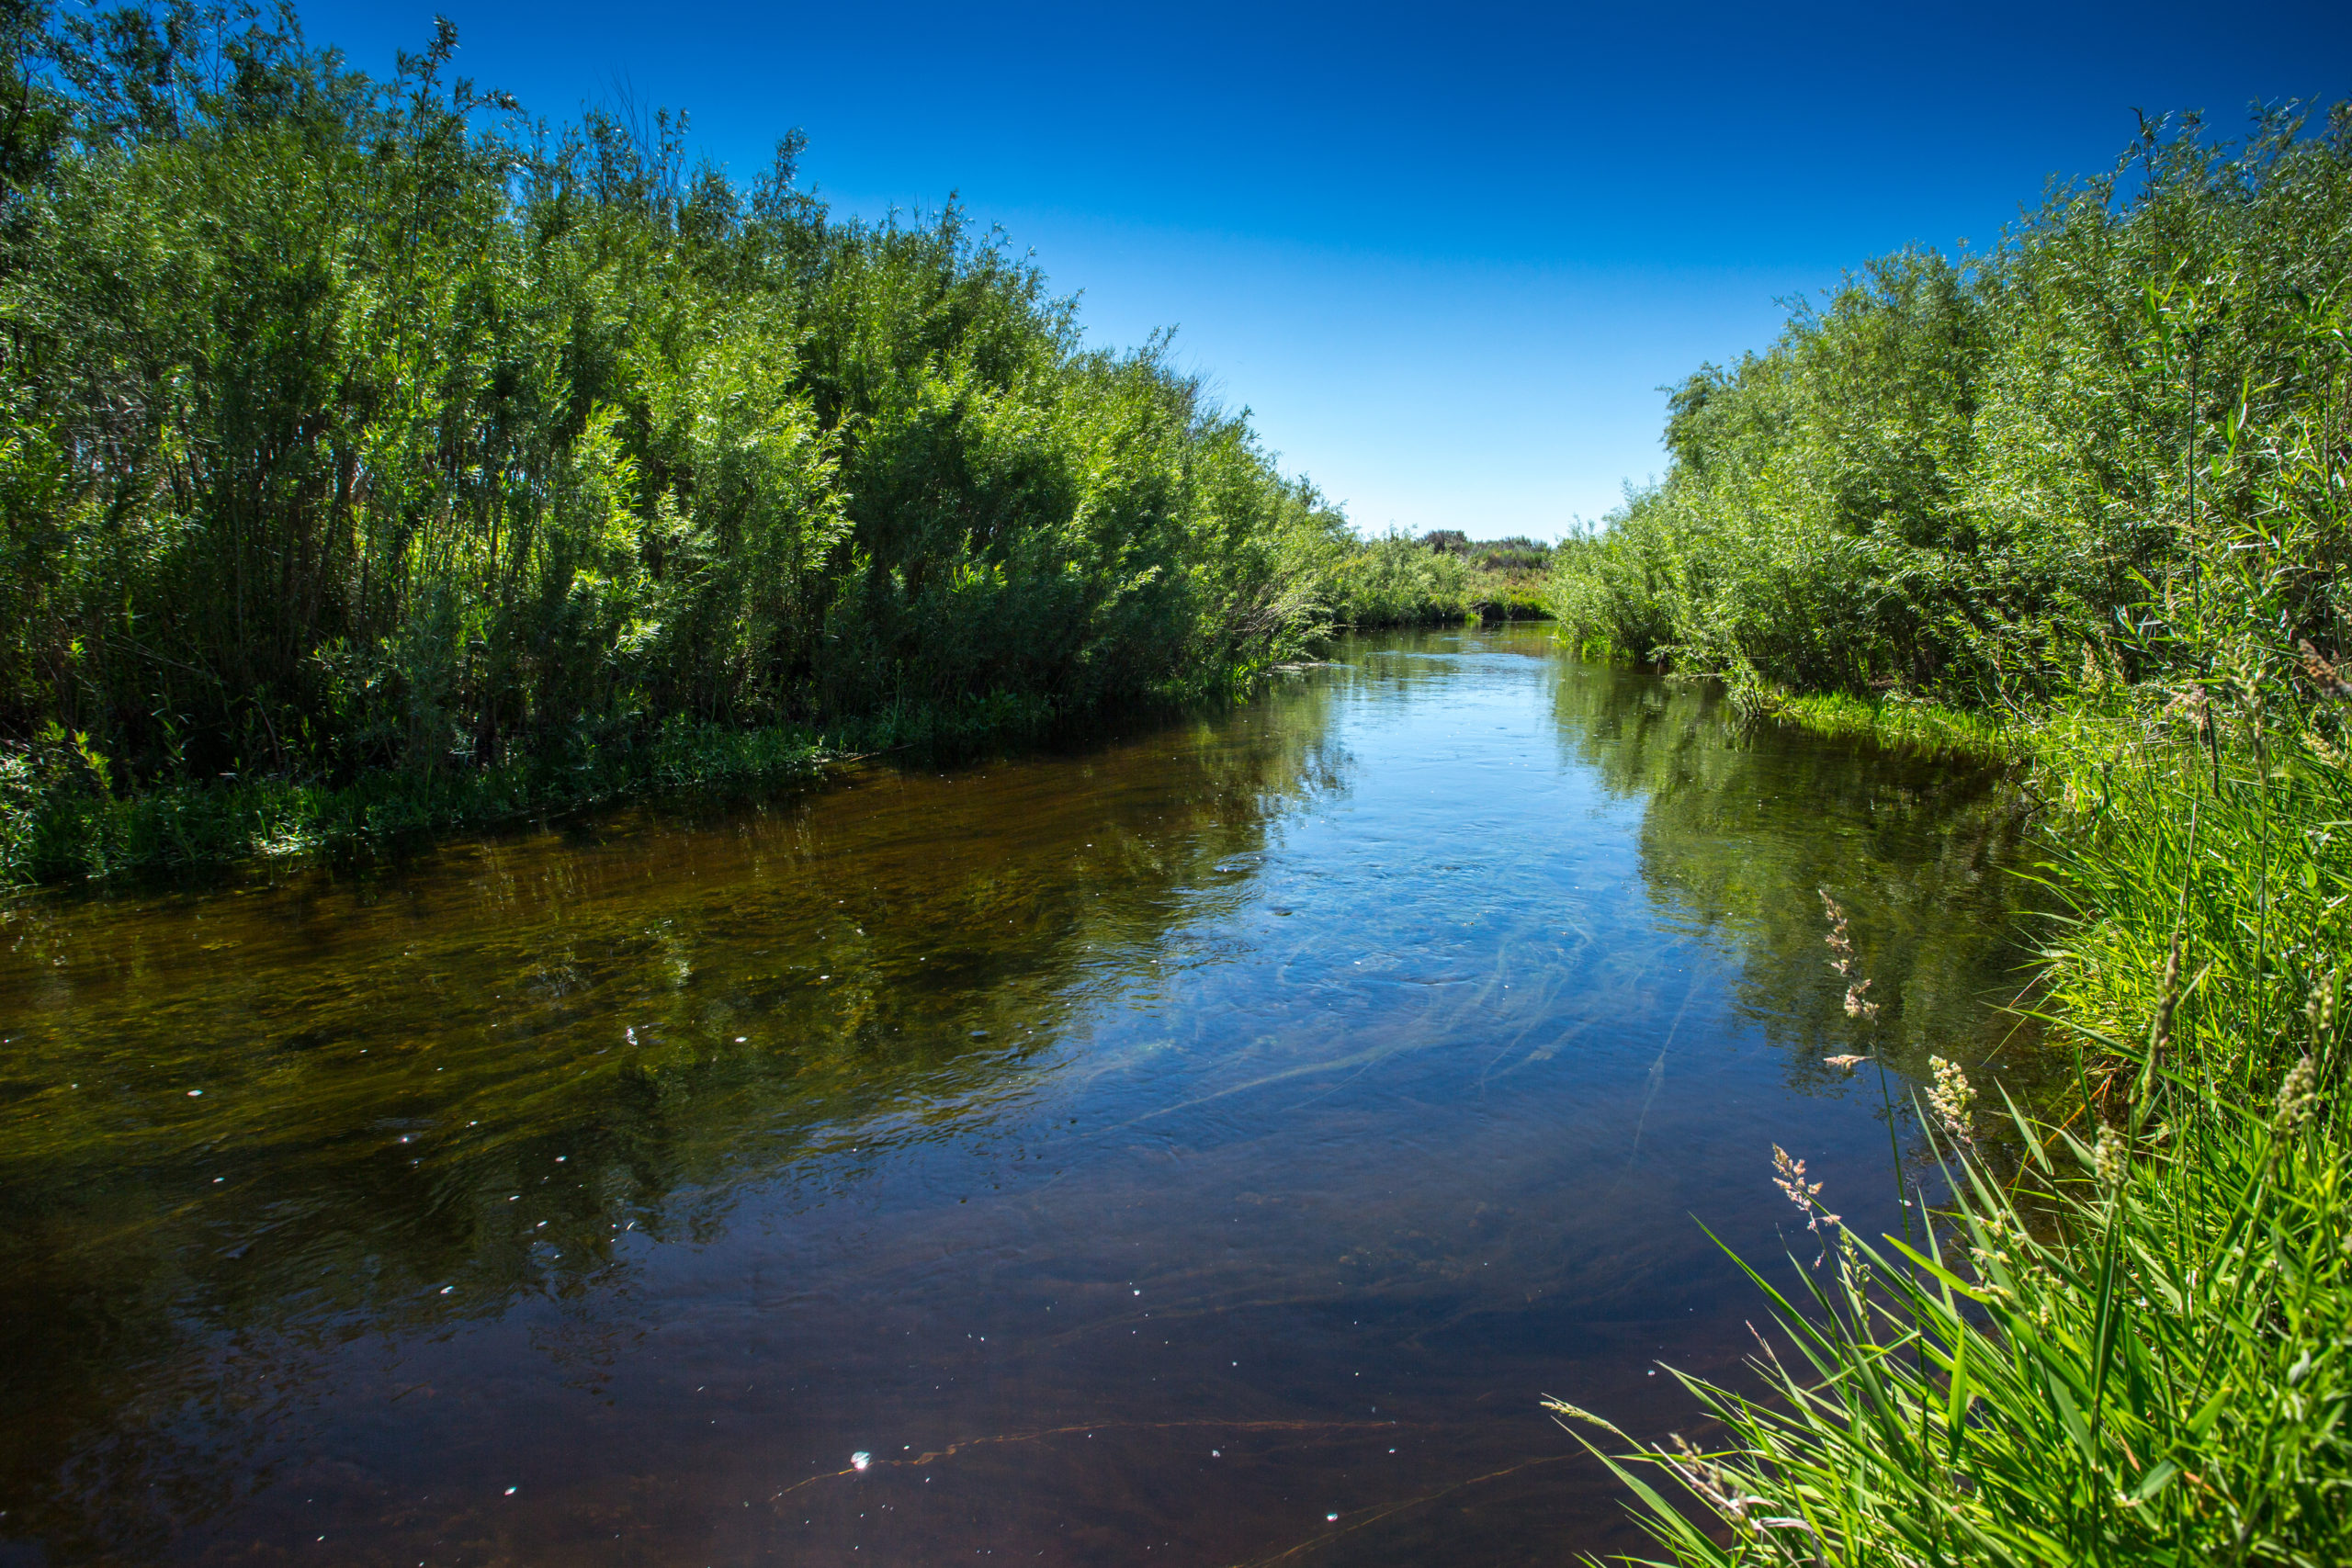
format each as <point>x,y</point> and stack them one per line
<point>2140,1337</point>
<point>58,825</point>
<point>70,831</point>
<point>473,467</point>
<point>1922,729</point>
<point>2134,1344</point>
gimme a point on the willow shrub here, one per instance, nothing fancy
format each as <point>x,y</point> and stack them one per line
<point>352,425</point>
<point>1393,579</point>
<point>1958,476</point>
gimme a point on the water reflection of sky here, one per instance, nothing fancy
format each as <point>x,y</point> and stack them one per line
<point>1165,1145</point>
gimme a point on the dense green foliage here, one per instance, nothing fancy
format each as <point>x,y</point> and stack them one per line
<point>2132,1345</point>
<point>350,425</point>
<point>1395,580</point>
<point>1958,478</point>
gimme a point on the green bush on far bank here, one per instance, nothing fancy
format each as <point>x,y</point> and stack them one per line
<point>1395,580</point>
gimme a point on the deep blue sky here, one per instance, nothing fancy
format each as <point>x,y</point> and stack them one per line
<point>1445,255</point>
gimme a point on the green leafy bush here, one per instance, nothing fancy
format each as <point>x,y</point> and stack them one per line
<point>1960,477</point>
<point>1395,580</point>
<point>351,425</point>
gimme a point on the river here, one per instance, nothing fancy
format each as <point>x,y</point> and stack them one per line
<point>1205,1146</point>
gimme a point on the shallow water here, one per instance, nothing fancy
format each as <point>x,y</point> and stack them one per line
<point>1203,1146</point>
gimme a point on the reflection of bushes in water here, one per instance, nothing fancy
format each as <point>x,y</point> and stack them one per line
<point>1742,827</point>
<point>651,1013</point>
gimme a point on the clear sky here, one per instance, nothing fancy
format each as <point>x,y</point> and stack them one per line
<point>1446,255</point>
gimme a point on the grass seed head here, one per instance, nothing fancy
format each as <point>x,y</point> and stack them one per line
<point>2323,674</point>
<point>2318,1012</point>
<point>1951,1099</point>
<point>2107,1159</point>
<point>2298,1098</point>
<point>1841,944</point>
<point>2160,1034</point>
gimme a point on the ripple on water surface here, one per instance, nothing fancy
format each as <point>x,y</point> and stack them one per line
<point>1207,1143</point>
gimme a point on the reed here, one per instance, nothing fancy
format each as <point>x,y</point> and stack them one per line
<point>2154,1373</point>
<point>2134,1346</point>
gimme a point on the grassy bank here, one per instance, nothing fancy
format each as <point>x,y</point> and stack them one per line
<point>2091,483</point>
<point>2138,1348</point>
<point>370,450</point>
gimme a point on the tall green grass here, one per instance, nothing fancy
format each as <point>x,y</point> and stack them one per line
<point>2137,1349</point>
<point>1921,728</point>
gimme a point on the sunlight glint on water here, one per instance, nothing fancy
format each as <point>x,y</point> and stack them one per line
<point>1212,1141</point>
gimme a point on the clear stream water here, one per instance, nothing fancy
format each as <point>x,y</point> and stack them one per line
<point>1203,1146</point>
